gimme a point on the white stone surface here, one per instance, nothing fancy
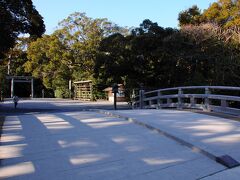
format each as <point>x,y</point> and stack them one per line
<point>231,174</point>
<point>88,145</point>
<point>216,135</point>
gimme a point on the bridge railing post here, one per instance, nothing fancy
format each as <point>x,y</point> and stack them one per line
<point>193,101</point>
<point>169,101</point>
<point>224,103</point>
<point>207,100</point>
<point>159,100</point>
<point>141,98</point>
<point>180,92</point>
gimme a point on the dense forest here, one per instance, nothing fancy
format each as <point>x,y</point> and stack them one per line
<point>204,50</point>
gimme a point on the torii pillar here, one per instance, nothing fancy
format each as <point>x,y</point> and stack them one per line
<point>21,79</point>
<point>12,87</point>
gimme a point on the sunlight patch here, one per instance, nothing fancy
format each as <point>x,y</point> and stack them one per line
<point>107,124</point>
<point>211,128</point>
<point>159,161</point>
<point>234,138</point>
<point>11,151</point>
<point>78,143</point>
<point>17,170</point>
<point>53,122</point>
<point>11,138</point>
<point>87,158</point>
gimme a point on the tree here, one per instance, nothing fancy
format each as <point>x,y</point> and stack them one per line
<point>224,13</point>
<point>47,60</point>
<point>82,36</point>
<point>208,55</point>
<point>134,59</point>
<point>18,16</point>
<point>190,16</point>
<point>202,54</point>
<point>70,52</point>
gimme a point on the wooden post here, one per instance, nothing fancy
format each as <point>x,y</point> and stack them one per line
<point>180,92</point>
<point>32,89</point>
<point>42,93</point>
<point>115,91</point>
<point>169,101</point>
<point>70,88</point>
<point>224,103</point>
<point>115,100</point>
<point>206,100</point>
<point>141,98</point>
<point>192,101</point>
<point>150,103</point>
<point>159,100</point>
<point>12,87</point>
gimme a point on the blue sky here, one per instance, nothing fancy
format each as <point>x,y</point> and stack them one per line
<point>122,12</point>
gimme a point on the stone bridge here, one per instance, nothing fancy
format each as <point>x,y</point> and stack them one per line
<point>65,139</point>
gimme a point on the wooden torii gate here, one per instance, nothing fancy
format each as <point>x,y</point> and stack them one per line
<point>28,79</point>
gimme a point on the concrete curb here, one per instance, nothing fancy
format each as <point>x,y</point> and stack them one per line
<point>229,162</point>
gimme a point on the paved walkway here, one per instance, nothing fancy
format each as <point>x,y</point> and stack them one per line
<point>87,145</point>
<point>51,104</point>
<point>90,145</point>
<point>216,135</point>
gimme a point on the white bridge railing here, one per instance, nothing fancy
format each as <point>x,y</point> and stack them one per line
<point>208,98</point>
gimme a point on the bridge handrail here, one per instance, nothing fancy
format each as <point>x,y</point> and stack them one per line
<point>155,100</point>
<point>195,87</point>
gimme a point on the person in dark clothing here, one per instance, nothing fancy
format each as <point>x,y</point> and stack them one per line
<point>15,100</point>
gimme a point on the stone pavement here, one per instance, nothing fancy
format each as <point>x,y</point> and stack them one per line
<point>57,139</point>
<point>216,135</point>
<point>54,104</point>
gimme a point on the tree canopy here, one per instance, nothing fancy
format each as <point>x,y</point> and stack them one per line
<point>190,16</point>
<point>224,13</point>
<point>70,52</point>
<point>205,50</point>
<point>18,16</point>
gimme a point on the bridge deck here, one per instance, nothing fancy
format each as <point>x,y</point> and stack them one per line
<point>91,145</point>
<point>218,136</point>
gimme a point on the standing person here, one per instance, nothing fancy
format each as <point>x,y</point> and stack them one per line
<point>15,100</point>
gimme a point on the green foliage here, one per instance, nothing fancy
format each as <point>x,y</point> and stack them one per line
<point>47,61</point>
<point>16,57</point>
<point>196,55</point>
<point>62,92</point>
<point>69,53</point>
<point>224,13</point>
<point>18,16</point>
<point>190,16</point>
<point>84,48</point>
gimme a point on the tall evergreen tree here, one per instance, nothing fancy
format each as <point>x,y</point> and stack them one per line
<point>190,16</point>
<point>18,16</point>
